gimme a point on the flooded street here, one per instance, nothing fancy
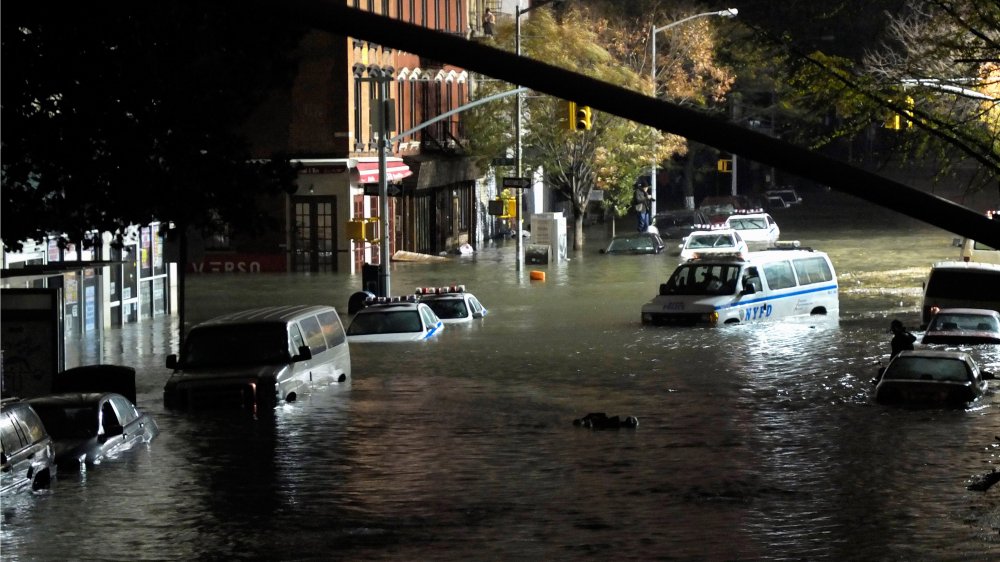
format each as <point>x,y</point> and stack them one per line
<point>754,441</point>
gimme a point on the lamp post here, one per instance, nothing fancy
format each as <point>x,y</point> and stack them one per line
<point>727,13</point>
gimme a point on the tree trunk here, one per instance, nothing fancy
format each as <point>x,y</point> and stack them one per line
<point>578,231</point>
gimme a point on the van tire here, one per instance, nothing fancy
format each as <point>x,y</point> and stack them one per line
<point>41,481</point>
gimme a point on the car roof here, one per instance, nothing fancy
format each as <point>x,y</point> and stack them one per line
<point>936,354</point>
<point>268,314</point>
<point>390,306</point>
<point>970,311</point>
<point>954,264</point>
<point>70,399</point>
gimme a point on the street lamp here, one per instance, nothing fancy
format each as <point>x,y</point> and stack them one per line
<point>727,13</point>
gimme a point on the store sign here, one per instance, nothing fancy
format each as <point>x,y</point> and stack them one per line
<point>240,263</point>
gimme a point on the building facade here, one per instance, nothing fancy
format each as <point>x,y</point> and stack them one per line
<point>437,199</point>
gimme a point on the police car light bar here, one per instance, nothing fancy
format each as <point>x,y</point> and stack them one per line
<point>440,290</point>
<point>787,244</point>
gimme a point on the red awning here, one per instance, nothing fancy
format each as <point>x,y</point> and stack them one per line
<point>395,170</point>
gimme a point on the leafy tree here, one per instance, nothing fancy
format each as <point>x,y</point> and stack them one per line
<point>116,115</point>
<point>609,156</point>
<point>945,57</point>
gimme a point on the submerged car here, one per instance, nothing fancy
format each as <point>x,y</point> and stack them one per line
<point>635,243</point>
<point>758,229</point>
<point>676,224</point>
<point>87,427</point>
<point>963,326</point>
<point>452,304</point>
<point>28,453</point>
<point>394,320</point>
<point>707,242</point>
<point>931,377</point>
<point>254,359</point>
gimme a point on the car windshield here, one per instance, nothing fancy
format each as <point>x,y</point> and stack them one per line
<point>748,223</point>
<point>702,279</point>
<point>953,321</point>
<point>632,244</point>
<point>928,368</point>
<point>234,345</point>
<point>385,322</point>
<point>68,422</point>
<point>710,241</point>
<point>449,308</point>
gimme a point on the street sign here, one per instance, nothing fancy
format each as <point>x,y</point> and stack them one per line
<point>516,183</point>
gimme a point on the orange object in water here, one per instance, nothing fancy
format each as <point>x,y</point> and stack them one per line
<point>537,275</point>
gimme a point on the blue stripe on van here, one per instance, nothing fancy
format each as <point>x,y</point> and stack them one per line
<point>776,297</point>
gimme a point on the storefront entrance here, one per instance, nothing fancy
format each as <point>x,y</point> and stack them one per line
<point>313,241</point>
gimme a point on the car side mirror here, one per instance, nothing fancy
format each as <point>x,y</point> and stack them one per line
<point>172,361</point>
<point>603,251</point>
<point>748,290</point>
<point>305,354</point>
<point>478,314</point>
<point>987,375</point>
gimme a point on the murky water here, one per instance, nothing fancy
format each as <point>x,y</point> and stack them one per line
<point>754,442</point>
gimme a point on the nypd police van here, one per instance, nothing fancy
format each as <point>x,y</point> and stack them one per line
<point>729,289</point>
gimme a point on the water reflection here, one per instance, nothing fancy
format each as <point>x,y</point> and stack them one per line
<point>754,441</point>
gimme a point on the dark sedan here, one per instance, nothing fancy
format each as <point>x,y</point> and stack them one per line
<point>963,326</point>
<point>635,243</point>
<point>932,377</point>
<point>676,224</point>
<point>87,427</point>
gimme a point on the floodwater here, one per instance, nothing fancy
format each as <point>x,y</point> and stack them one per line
<point>755,442</point>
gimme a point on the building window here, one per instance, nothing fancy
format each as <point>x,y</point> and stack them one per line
<point>399,10</point>
<point>413,12</point>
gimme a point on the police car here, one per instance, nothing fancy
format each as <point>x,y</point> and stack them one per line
<point>394,319</point>
<point>701,243</point>
<point>452,304</point>
<point>757,228</point>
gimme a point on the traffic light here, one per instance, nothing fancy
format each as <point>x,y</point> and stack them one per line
<point>577,117</point>
<point>582,120</point>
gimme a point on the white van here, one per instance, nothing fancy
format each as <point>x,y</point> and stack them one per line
<point>256,358</point>
<point>960,284</point>
<point>767,285</point>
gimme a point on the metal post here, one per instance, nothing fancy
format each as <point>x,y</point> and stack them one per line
<point>517,137</point>
<point>652,170</point>
<point>383,183</point>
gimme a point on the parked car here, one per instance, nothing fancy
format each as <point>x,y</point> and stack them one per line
<point>88,427</point>
<point>757,228</point>
<point>706,242</point>
<point>775,202</point>
<point>28,453</point>
<point>678,223</point>
<point>392,319</point>
<point>718,208</point>
<point>452,304</point>
<point>963,326</point>
<point>787,194</point>
<point>931,377</point>
<point>635,243</point>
